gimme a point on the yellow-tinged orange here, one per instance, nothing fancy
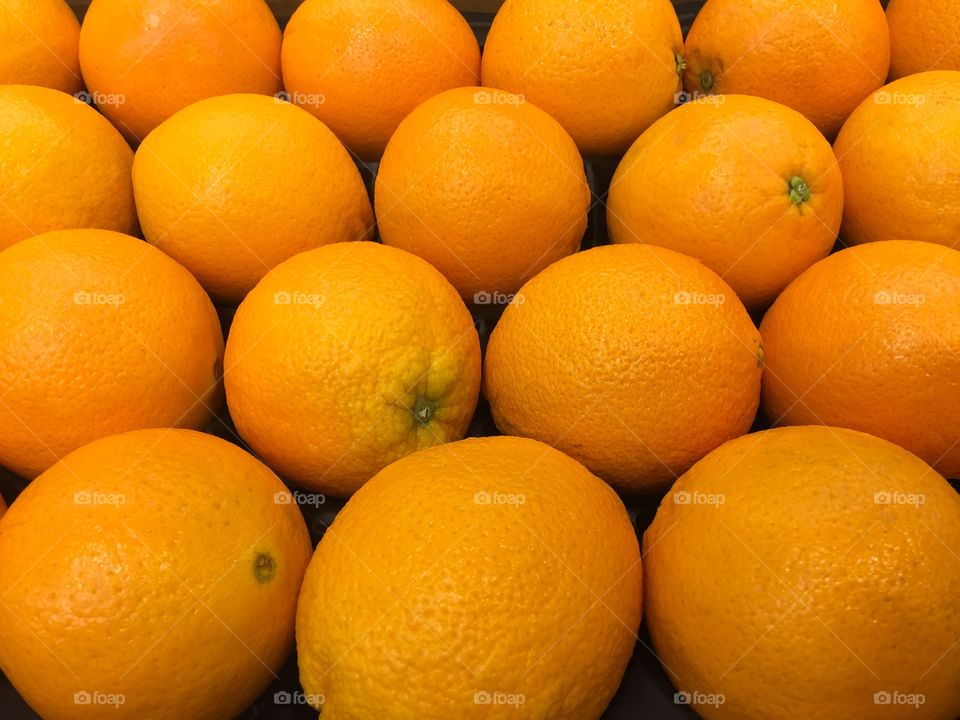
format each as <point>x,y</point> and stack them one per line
<point>749,187</point>
<point>63,166</point>
<point>39,42</point>
<point>900,162</point>
<point>808,572</point>
<point>145,59</point>
<point>486,187</point>
<point>233,185</point>
<point>820,57</point>
<point>923,36</point>
<point>870,339</point>
<point>633,359</point>
<point>362,66</point>
<point>606,70</point>
<point>151,574</point>
<point>101,333</point>
<point>488,578</point>
<point>346,358</point>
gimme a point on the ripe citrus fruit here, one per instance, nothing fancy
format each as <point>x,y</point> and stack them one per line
<point>477,579</point>
<point>63,166</point>
<point>39,42</point>
<point>231,186</point>
<point>746,185</point>
<point>901,170</point>
<point>101,333</point>
<point>145,59</point>
<point>808,572</point>
<point>820,57</point>
<point>870,339</point>
<point>923,36</point>
<point>635,360</point>
<point>606,71</point>
<point>139,553</point>
<point>486,187</point>
<point>346,358</point>
<point>361,66</point>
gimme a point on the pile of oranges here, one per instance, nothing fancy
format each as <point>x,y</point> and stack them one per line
<point>213,228</point>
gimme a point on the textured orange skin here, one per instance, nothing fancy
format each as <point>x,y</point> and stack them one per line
<point>605,70</point>
<point>419,596</point>
<point>234,185</point>
<point>487,188</point>
<point>898,157</point>
<point>598,358</point>
<point>63,166</point>
<point>712,180</point>
<point>800,596</point>
<point>820,57</point>
<point>323,388</point>
<point>76,367</point>
<point>362,66</point>
<point>846,346</point>
<point>162,55</point>
<point>155,597</point>
<point>923,36</point>
<point>39,42</point>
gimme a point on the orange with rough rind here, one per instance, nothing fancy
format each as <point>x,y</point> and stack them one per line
<point>923,36</point>
<point>39,45</point>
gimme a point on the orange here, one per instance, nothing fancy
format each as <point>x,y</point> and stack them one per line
<point>3,506</point>
<point>606,70</point>
<point>923,36</point>
<point>234,185</point>
<point>39,42</point>
<point>63,166</point>
<point>635,360</point>
<point>139,553</point>
<point>488,578</point>
<point>145,59</point>
<point>900,164</point>
<point>486,187</point>
<point>820,57</point>
<point>361,66</point>
<point>101,333</point>
<point>870,339</point>
<point>808,572</point>
<point>748,186</point>
<point>346,358</point>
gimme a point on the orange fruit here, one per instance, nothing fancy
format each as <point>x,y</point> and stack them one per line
<point>101,333</point>
<point>486,187</point>
<point>900,166</point>
<point>346,358</point>
<point>141,552</point>
<point>923,36</point>
<point>63,166</point>
<point>820,57</point>
<point>635,360</point>
<point>747,186</point>
<point>39,42</point>
<point>606,71</point>
<point>870,339</point>
<point>477,579</point>
<point>145,59</point>
<point>232,186</point>
<point>361,66</point>
<point>808,572</point>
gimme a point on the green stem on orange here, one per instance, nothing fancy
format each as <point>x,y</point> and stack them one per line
<point>799,191</point>
<point>706,80</point>
<point>423,410</point>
